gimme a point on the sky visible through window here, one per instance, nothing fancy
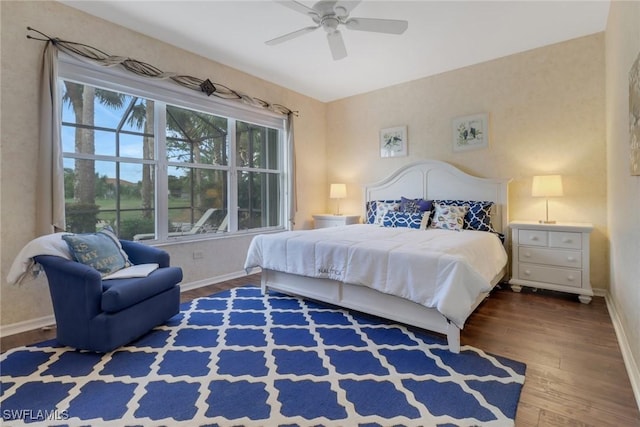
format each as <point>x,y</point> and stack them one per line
<point>108,118</point>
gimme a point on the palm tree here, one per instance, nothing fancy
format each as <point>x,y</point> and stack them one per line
<point>141,116</point>
<point>197,138</point>
<point>82,101</point>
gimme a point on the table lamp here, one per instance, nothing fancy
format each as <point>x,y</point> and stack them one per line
<point>547,186</point>
<point>338,191</point>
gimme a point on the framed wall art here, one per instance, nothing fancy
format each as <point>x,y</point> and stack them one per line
<point>393,142</point>
<point>470,132</point>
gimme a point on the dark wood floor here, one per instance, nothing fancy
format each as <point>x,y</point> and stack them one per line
<point>575,372</point>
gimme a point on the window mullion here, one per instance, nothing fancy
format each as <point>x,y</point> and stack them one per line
<point>162,185</point>
<point>232,189</point>
<point>286,181</point>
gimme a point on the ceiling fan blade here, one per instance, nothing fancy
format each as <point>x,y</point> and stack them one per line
<point>389,26</point>
<point>298,7</point>
<point>290,36</point>
<point>336,44</point>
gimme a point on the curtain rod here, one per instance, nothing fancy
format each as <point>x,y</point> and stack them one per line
<point>147,70</point>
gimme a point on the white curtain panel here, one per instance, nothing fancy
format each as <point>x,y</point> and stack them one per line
<point>50,182</point>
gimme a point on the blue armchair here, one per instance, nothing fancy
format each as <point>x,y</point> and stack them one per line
<point>92,314</point>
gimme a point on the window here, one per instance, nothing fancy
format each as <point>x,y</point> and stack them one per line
<point>160,163</point>
<point>258,164</point>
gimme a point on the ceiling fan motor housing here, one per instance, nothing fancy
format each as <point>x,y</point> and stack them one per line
<point>330,23</point>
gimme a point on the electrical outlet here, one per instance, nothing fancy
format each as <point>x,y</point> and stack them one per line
<point>198,255</point>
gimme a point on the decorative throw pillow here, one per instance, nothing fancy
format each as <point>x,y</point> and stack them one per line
<point>404,219</point>
<point>478,216</point>
<point>448,217</point>
<point>377,208</point>
<point>415,205</point>
<point>101,250</point>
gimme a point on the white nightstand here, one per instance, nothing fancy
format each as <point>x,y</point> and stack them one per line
<point>551,256</point>
<point>330,220</point>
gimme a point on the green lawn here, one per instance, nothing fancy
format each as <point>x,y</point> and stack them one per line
<point>131,215</point>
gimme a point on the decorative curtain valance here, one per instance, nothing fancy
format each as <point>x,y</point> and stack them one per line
<point>140,68</point>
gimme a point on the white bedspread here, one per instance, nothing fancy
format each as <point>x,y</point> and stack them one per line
<point>441,269</point>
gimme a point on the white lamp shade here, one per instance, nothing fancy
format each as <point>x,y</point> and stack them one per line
<point>547,186</point>
<point>338,191</point>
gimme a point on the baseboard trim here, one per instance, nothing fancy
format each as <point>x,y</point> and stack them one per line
<point>625,348</point>
<point>27,325</point>
<point>48,321</point>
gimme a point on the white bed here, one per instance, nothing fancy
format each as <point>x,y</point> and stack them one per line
<point>430,180</point>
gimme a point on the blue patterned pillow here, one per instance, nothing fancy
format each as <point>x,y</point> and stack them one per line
<point>448,217</point>
<point>415,205</point>
<point>101,250</point>
<point>377,208</point>
<point>405,219</point>
<point>478,216</point>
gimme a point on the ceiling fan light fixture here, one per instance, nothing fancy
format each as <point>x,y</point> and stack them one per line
<point>330,24</point>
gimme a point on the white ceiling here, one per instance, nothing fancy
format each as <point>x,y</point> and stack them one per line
<point>442,36</point>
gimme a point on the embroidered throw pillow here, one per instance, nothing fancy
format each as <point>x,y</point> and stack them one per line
<point>101,250</point>
<point>415,205</point>
<point>448,217</point>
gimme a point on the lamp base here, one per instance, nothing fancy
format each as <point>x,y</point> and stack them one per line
<point>543,221</point>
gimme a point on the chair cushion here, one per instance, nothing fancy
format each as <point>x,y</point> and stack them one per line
<point>122,293</point>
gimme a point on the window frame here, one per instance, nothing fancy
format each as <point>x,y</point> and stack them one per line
<point>163,93</point>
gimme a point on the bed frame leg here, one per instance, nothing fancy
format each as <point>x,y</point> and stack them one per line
<point>453,338</point>
<point>263,283</point>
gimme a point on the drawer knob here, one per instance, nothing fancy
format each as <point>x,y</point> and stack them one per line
<point>527,272</point>
<point>527,254</point>
<point>566,240</point>
<point>570,258</point>
<point>533,237</point>
<point>570,278</point>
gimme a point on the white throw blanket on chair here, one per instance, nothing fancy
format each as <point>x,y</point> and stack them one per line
<point>23,264</point>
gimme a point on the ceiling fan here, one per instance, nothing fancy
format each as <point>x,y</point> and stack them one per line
<point>330,14</point>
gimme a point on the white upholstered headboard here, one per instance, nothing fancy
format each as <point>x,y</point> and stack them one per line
<point>433,179</point>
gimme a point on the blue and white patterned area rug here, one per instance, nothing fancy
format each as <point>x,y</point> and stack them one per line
<point>239,358</point>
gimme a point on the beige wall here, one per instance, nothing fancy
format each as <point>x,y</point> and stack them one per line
<point>20,64</point>
<point>622,49</point>
<point>546,115</point>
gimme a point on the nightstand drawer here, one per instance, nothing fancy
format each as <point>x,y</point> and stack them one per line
<point>559,276</point>
<point>566,240</point>
<point>558,257</point>
<point>532,237</point>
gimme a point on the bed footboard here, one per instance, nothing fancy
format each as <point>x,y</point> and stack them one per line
<point>365,300</point>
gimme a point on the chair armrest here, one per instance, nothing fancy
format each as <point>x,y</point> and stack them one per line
<point>143,254</point>
<point>76,288</point>
<point>68,269</point>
